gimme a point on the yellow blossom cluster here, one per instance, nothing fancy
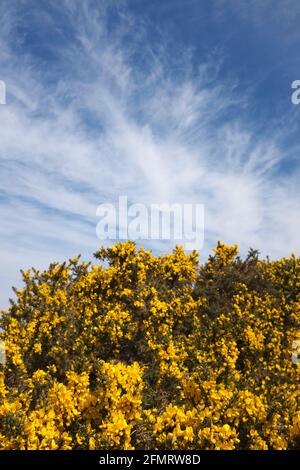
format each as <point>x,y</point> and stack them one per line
<point>153,352</point>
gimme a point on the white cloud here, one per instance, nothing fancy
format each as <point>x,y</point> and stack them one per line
<point>110,117</point>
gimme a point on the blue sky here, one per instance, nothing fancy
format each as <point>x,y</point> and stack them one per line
<point>162,101</point>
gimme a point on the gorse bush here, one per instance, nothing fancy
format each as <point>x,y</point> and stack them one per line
<point>144,352</point>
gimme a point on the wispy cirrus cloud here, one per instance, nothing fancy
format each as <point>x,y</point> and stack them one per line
<point>95,110</point>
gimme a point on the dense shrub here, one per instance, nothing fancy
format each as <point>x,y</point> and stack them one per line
<point>153,353</point>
